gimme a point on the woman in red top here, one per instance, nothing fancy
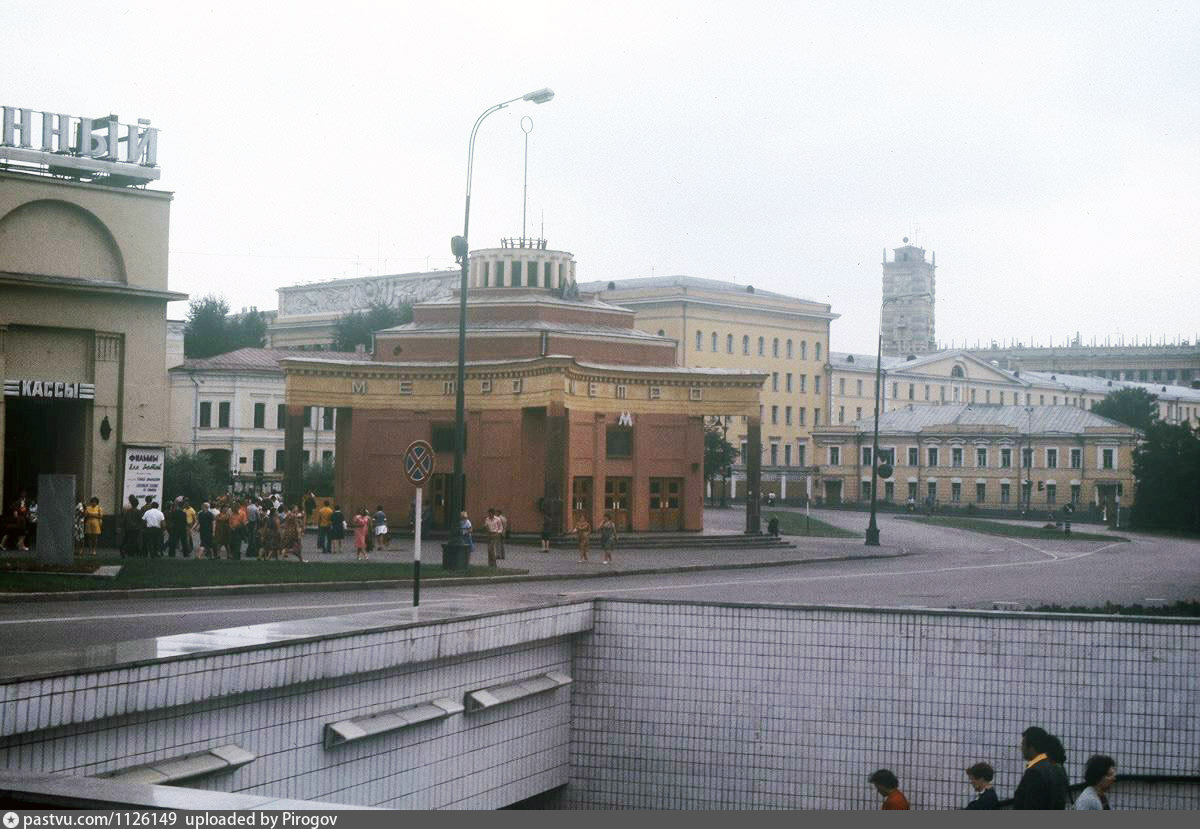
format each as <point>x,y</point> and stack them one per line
<point>886,783</point>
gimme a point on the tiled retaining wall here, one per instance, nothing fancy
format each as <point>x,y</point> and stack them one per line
<point>274,700</point>
<point>701,706</point>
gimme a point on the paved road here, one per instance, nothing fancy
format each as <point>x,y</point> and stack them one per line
<point>944,568</point>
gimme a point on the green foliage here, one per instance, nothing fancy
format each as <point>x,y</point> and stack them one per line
<point>981,525</point>
<point>318,478</point>
<point>1190,608</point>
<point>1166,466</point>
<point>1133,407</point>
<point>210,330</point>
<point>192,476</point>
<point>356,328</point>
<point>718,452</point>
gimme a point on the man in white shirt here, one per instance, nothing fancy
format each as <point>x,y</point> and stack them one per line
<point>153,537</point>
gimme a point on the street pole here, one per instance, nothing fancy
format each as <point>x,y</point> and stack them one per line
<point>417,550</point>
<point>454,552</point>
<point>872,526</point>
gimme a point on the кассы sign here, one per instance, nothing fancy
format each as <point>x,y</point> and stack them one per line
<point>50,389</point>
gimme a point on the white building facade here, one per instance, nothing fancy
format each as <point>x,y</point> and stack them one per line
<point>230,408</point>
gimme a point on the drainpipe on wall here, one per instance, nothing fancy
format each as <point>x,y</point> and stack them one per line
<point>195,413</point>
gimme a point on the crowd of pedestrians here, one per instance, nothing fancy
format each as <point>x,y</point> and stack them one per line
<point>1044,784</point>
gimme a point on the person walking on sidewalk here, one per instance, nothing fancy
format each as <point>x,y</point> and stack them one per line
<point>361,524</point>
<point>494,527</point>
<point>547,530</point>
<point>381,528</point>
<point>205,519</point>
<point>93,522</point>
<point>608,537</point>
<point>131,529</point>
<point>324,518</point>
<point>583,531</point>
<point>337,528</point>
<point>503,530</point>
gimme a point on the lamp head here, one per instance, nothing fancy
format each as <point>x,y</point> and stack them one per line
<point>539,96</point>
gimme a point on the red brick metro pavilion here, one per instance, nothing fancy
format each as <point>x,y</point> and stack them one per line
<point>569,408</point>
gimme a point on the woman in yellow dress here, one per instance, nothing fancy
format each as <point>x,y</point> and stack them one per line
<point>93,521</point>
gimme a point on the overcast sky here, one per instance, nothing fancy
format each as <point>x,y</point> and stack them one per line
<point>1049,153</point>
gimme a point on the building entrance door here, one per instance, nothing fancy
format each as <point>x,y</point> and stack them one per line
<point>581,498</point>
<point>439,502</point>
<point>666,504</point>
<point>1106,495</point>
<point>616,500</point>
<point>45,437</point>
<point>833,493</point>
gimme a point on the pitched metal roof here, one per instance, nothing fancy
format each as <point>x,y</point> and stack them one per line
<point>1101,385</point>
<point>261,359</point>
<point>528,326</point>
<point>695,282</point>
<point>1024,419</point>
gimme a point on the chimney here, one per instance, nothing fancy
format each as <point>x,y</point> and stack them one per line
<point>360,349</point>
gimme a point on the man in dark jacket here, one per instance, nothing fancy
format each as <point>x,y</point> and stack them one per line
<point>1040,786</point>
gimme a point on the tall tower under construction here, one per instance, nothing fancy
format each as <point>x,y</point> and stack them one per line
<point>909,291</point>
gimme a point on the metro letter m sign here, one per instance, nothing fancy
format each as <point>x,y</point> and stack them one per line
<point>358,386</point>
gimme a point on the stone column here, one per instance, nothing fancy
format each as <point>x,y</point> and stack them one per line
<point>753,474</point>
<point>293,456</point>
<point>555,493</point>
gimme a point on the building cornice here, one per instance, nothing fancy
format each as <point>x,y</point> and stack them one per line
<point>86,286</point>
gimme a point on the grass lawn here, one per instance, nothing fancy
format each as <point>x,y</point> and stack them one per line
<point>794,523</point>
<point>187,572</point>
<point>981,525</point>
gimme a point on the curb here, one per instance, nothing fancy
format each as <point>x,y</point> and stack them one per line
<point>385,584</point>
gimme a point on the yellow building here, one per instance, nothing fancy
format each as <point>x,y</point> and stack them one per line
<point>719,324</point>
<point>983,457</point>
<point>83,330</point>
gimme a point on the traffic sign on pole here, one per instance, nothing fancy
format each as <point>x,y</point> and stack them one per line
<point>418,462</point>
<point>418,468</point>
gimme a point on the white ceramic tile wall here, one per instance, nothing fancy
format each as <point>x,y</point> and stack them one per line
<point>689,706</point>
<point>275,700</point>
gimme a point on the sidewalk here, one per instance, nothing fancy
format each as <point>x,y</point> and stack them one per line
<point>558,564</point>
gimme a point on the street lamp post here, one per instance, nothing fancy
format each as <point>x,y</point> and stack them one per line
<point>872,526</point>
<point>454,552</point>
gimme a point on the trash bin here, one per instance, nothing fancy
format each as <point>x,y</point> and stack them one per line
<point>455,555</point>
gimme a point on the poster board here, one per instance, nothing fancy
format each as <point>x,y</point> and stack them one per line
<point>143,477</point>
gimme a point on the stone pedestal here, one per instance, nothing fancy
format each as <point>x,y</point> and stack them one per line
<point>56,519</point>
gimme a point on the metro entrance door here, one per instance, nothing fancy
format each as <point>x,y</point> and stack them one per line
<point>666,504</point>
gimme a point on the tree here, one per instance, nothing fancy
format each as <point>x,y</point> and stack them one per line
<point>318,478</point>
<point>356,328</point>
<point>1166,466</point>
<point>719,454</point>
<point>210,330</point>
<point>1133,406</point>
<point>190,475</point>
